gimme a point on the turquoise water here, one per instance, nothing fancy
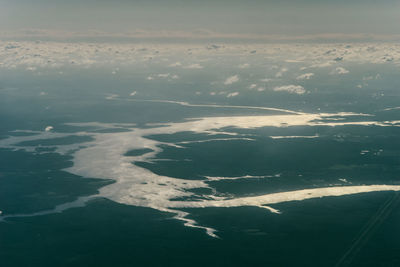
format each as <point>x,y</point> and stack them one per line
<point>105,143</point>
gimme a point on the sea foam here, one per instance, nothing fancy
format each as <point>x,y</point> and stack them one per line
<point>104,156</point>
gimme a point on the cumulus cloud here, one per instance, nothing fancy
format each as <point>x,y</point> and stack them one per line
<point>112,96</point>
<point>31,68</point>
<point>163,76</point>
<point>176,64</point>
<point>340,70</point>
<point>305,76</point>
<point>49,128</point>
<point>252,86</point>
<point>232,94</point>
<point>281,72</point>
<point>194,66</point>
<point>293,89</point>
<point>231,80</point>
<point>35,55</point>
<point>244,66</point>
<point>322,64</point>
<point>368,78</point>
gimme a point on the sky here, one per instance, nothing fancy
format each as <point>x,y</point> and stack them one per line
<point>291,18</point>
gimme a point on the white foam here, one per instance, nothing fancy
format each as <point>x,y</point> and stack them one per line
<point>394,108</point>
<point>217,139</point>
<point>103,157</point>
<point>289,196</point>
<point>219,178</point>
<point>294,136</point>
<point>80,202</point>
<point>214,105</point>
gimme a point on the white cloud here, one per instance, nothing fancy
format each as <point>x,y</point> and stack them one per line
<point>376,77</point>
<point>281,72</point>
<point>252,86</point>
<point>322,64</point>
<point>194,66</point>
<point>112,97</point>
<point>54,55</point>
<point>244,66</point>
<point>232,94</point>
<point>176,64</point>
<point>163,76</point>
<point>340,70</point>
<point>231,80</point>
<point>305,76</point>
<point>293,89</point>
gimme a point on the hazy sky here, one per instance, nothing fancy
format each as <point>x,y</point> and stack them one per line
<point>284,17</point>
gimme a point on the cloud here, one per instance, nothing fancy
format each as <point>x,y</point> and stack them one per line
<point>112,96</point>
<point>368,78</point>
<point>305,76</point>
<point>293,89</point>
<point>231,80</point>
<point>163,76</point>
<point>281,72</point>
<point>176,64</point>
<point>244,66</point>
<point>55,55</point>
<point>322,64</point>
<point>193,66</point>
<point>232,94</point>
<point>252,86</point>
<point>339,70</point>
